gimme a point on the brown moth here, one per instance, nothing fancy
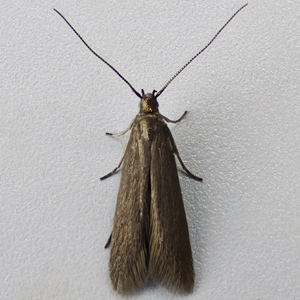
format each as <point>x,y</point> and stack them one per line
<point>150,239</point>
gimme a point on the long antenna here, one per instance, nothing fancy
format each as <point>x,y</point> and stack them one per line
<point>174,76</point>
<point>138,94</point>
<point>178,72</point>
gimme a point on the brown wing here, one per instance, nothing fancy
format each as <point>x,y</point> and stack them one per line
<point>171,261</point>
<point>129,245</point>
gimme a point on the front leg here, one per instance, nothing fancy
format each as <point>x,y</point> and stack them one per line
<point>174,121</point>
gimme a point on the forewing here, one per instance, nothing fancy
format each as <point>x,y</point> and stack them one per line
<point>129,246</point>
<point>171,260</point>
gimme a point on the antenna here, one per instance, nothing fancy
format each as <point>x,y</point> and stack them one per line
<point>178,72</point>
<point>138,94</point>
<point>174,76</point>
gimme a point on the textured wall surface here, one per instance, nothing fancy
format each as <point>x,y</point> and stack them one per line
<point>241,135</point>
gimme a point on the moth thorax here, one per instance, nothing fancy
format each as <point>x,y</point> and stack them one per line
<point>148,104</point>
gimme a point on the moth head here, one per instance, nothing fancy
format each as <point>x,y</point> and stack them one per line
<point>148,104</point>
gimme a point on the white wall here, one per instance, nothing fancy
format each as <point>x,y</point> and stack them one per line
<point>241,135</point>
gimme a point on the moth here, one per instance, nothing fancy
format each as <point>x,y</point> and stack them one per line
<point>150,239</point>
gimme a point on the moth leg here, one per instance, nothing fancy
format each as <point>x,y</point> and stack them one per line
<point>108,242</point>
<point>121,133</point>
<point>190,174</point>
<point>174,121</point>
<point>120,163</point>
<point>114,170</point>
